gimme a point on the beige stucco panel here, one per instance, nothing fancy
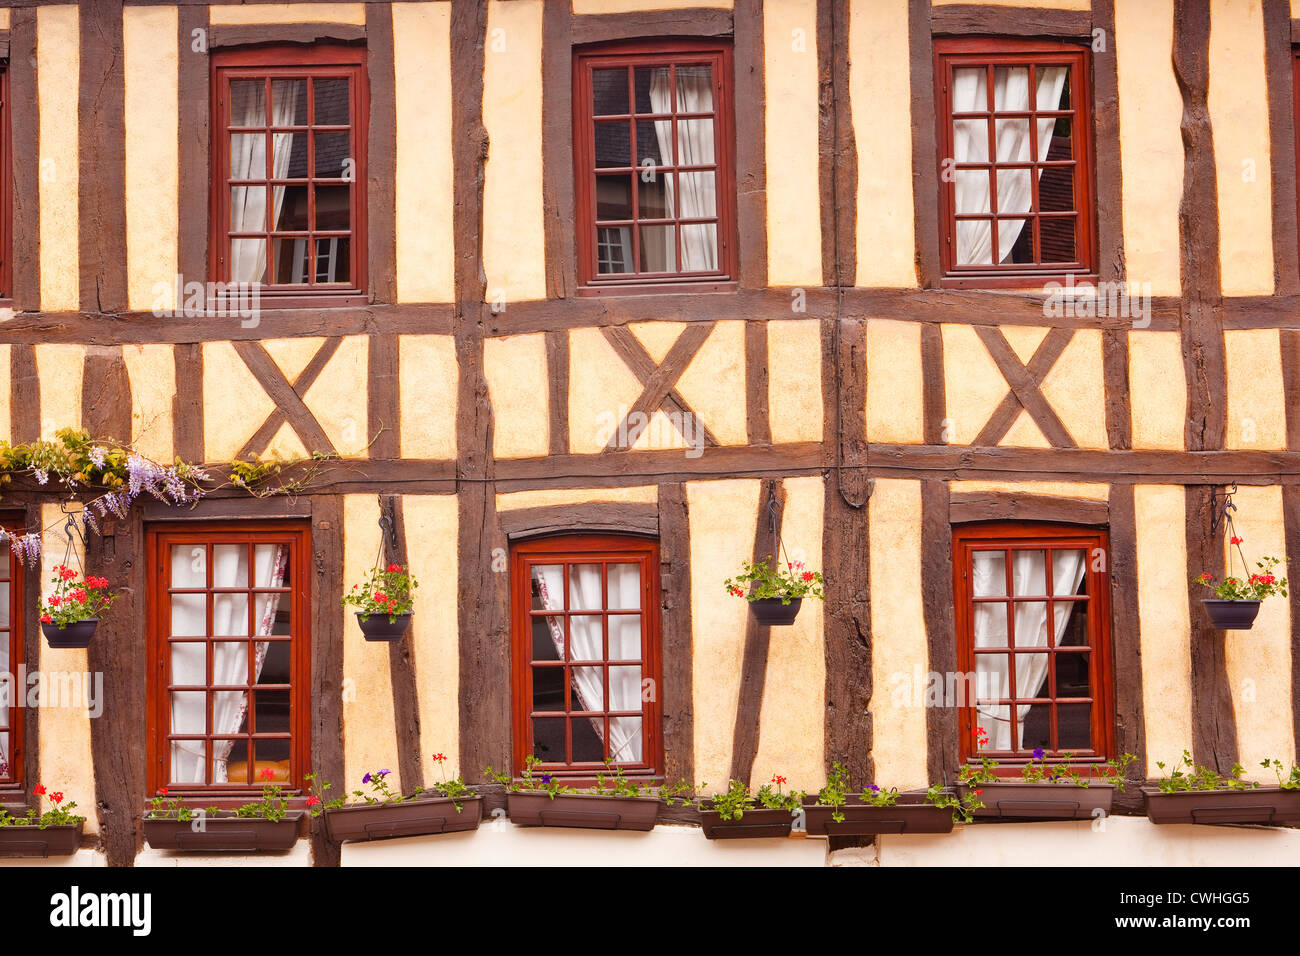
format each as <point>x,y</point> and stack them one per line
<point>152,373</point>
<point>657,338</point>
<point>585,7</point>
<point>713,384</point>
<point>1256,416</point>
<point>285,445</point>
<point>425,204</point>
<point>518,387</point>
<point>1164,622</point>
<point>1259,661</point>
<point>234,403</point>
<point>6,411</point>
<point>794,384</point>
<point>880,97</point>
<point>1157,389</point>
<point>58,66</point>
<point>793,716</point>
<point>151,68</point>
<point>1025,433</point>
<point>974,386</point>
<point>602,390</point>
<point>353,13</point>
<point>546,497</point>
<point>60,368</point>
<point>66,761</point>
<point>338,398</point>
<point>369,728</point>
<point>1091,490</point>
<point>429,376</point>
<point>722,520</point>
<point>1238,104</point>
<point>1076,389</point>
<point>794,241</point>
<point>431,537</point>
<point>1151,145</point>
<point>514,245</point>
<point>1024,339</point>
<point>1036,4</point>
<point>895,382</point>
<point>291,356</point>
<point>4,19</point>
<point>899,648</point>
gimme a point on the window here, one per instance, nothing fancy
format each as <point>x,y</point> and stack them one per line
<point>586,653</point>
<point>12,690</point>
<point>1015,159</point>
<point>289,170</point>
<point>1033,627</point>
<point>653,165</point>
<point>228,647</point>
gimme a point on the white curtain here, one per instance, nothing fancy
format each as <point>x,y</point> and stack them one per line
<point>971,145</point>
<point>1028,575</point>
<point>624,584</point>
<point>248,161</point>
<point>229,658</point>
<point>698,189</point>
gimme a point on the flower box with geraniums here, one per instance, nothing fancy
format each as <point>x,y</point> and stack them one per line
<point>1236,600</point>
<point>738,814</point>
<point>835,811</point>
<point>1194,794</point>
<point>448,807</point>
<point>775,593</point>
<point>70,614</point>
<point>56,832</point>
<point>614,803</point>
<point>385,602</point>
<point>1045,791</point>
<point>267,824</point>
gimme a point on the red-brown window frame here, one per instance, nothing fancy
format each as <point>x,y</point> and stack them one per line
<point>326,60</point>
<point>684,52</point>
<point>17,636</point>
<point>1008,536</point>
<point>561,548</point>
<point>159,538</point>
<point>950,52</point>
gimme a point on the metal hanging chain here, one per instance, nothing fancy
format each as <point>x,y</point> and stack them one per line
<point>387,535</point>
<point>774,514</point>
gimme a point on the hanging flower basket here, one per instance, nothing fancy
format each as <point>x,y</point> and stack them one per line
<point>71,612</point>
<point>384,601</point>
<point>72,635</point>
<point>775,593</point>
<point>1236,601</point>
<point>1231,615</point>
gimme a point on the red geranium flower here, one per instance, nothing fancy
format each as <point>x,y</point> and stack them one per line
<point>39,790</point>
<point>57,797</point>
<point>46,619</point>
<point>267,774</point>
<point>312,801</point>
<point>163,791</point>
<point>1235,540</point>
<point>380,597</point>
<point>807,575</point>
<point>394,567</point>
<point>440,757</point>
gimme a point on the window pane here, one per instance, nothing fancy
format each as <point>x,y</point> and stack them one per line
<point>1074,726</point>
<point>625,637</point>
<point>653,89</point>
<point>548,638</point>
<point>1056,190</point>
<point>271,711</point>
<point>989,573</point>
<point>1035,727</point>
<point>289,102</point>
<point>589,684</point>
<point>613,249</point>
<point>272,755</point>
<point>625,739</point>
<point>188,762</point>
<point>189,712</point>
<point>1061,145</point>
<point>613,146</point>
<point>658,249</point>
<point>331,102</point>
<point>699,247</point>
<point>585,591</point>
<point>972,193</point>
<point>625,688</point>
<point>655,198</point>
<point>588,637</point>
<point>548,688</point>
<point>1072,678</point>
<point>990,619</point>
<point>248,259</point>
<point>609,91</point>
<point>333,259</point>
<point>247,156</point>
<point>1058,240</point>
<point>292,260</point>
<point>289,155</point>
<point>992,676</point>
<point>974,245</point>
<point>1014,191</point>
<point>332,208</point>
<point>654,143</point>
<point>248,211</point>
<point>189,664</point>
<point>695,142</point>
<point>229,614</point>
<point>1028,574</point>
<point>699,195</point>
<point>971,140</point>
<point>624,586</point>
<point>1046,73</point>
<point>695,89</point>
<point>290,208</point>
<point>331,151</point>
<point>1011,87</point>
<point>276,665</point>
<point>548,739</point>
<point>588,740</point>
<point>247,103</point>
<point>1030,620</point>
<point>614,197</point>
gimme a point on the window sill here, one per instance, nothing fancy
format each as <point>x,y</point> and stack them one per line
<point>267,301</point>
<point>661,288</point>
<point>1034,282</point>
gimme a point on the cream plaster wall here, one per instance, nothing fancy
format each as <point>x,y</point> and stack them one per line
<point>974,385</point>
<point>339,396</point>
<point>1075,388</point>
<point>234,407</point>
<point>1256,416</point>
<point>1157,389</point>
<point>6,412</point>
<point>545,497</point>
<point>254,13</point>
<point>151,370</point>
<point>895,382</point>
<point>713,384</point>
<point>517,378</point>
<point>429,380</point>
<point>794,384</point>
<point>60,368</point>
<point>58,72</point>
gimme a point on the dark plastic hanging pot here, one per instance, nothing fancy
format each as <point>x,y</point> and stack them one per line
<point>1231,615</point>
<point>771,611</point>
<point>74,635</point>
<point>378,628</point>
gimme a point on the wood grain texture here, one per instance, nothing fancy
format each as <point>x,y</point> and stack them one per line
<point>194,147</point>
<point>837,147</point>
<point>1291,517</point>
<point>1009,506</point>
<point>1214,723</point>
<point>265,434</point>
<point>401,657</point>
<point>101,194</point>
<point>326,659</point>
<point>236,34</point>
<point>974,18</point>
<point>603,27</point>
<point>381,152</point>
<point>942,746</point>
<point>1279,69</point>
<point>1108,168</point>
<point>557,382</point>
<point>1025,382</point>
<point>751,149</point>
<point>187,403</point>
<point>25,154</point>
<point>1289,342</point>
<point>106,394</point>
<point>1119,404</point>
<point>934,408</point>
<point>676,634</point>
<point>24,394</point>
<point>620,517</point>
<point>1126,643</point>
<point>383,400</point>
<point>658,379</point>
<point>925,150</point>
<point>287,400</point>
<point>558,203</point>
<point>758,416</point>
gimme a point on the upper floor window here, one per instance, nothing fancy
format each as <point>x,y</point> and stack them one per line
<point>229,667</point>
<point>586,653</point>
<point>11,658</point>
<point>1015,156</point>
<point>288,170</point>
<point>1033,626</point>
<point>653,164</point>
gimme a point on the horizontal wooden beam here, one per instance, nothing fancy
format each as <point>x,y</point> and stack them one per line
<point>617,516</point>
<point>696,22</point>
<point>1004,506</point>
<point>978,18</point>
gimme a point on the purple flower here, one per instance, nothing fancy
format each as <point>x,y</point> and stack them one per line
<point>366,778</point>
<point>97,456</point>
<point>874,788</point>
<point>1038,753</point>
<point>546,779</point>
<point>383,773</point>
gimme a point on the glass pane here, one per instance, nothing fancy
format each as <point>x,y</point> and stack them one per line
<point>289,155</point>
<point>1058,240</point>
<point>990,622</point>
<point>548,638</point>
<point>548,587</point>
<point>4,617</point>
<point>548,739</point>
<point>1027,573</point>
<point>625,688</point>
<point>289,102</point>
<point>1030,622</point>
<point>6,771</point>
<point>548,688</point>
<point>625,739</point>
<point>974,243</point>
<point>614,197</point>
<point>248,156</point>
<point>189,616</point>
<point>655,197</point>
<point>1010,87</point>
<point>989,573</point>
<point>187,761</point>
<point>1057,134</point>
<point>613,249</point>
<point>588,740</point>
<point>653,89</point>
<point>1056,190</point>
<point>248,211</point>
<point>331,102</point>
<point>290,208</point>
<point>1016,240</point>
<point>1072,679</point>
<point>230,666</point>
<point>275,667</point>
<point>699,247</point>
<point>1035,727</point>
<point>970,93</point>
<point>331,150</point>
<point>190,664</point>
<point>624,586</point>
<point>612,146</point>
<point>1012,139</point>
<point>972,191</point>
<point>971,140</point>
<point>292,260</point>
<point>589,682</point>
<point>992,677</point>
<point>658,249</point>
<point>229,614</point>
<point>585,592</point>
<point>654,143</point>
<point>333,211</point>
<point>699,195</point>
<point>695,142</point>
<point>248,259</point>
<point>625,637</point>
<point>609,91</point>
<point>189,714</point>
<point>333,259</point>
<point>230,762</point>
<point>271,711</point>
<point>272,755</point>
<point>1014,191</point>
<point>1071,623</point>
<point>1046,73</point>
<point>247,103</point>
<point>1073,726</point>
<point>996,721</point>
<point>695,89</point>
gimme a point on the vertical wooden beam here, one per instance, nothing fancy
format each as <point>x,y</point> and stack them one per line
<point>195,144</point>
<point>326,659</point>
<point>758,421</point>
<point>24,149</point>
<point>838,155</point>
<point>1119,407</point>
<point>106,394</point>
<point>677,692</point>
<point>187,403</point>
<point>401,660</point>
<point>933,398</point>
<point>102,159</point>
<point>1214,722</point>
<point>383,406</point>
<point>1109,172</point>
<point>1125,639</point>
<point>24,394</point>
<point>1291,517</point>
<point>942,745</point>
<point>381,155</point>
<point>557,378</point>
<point>925,181</point>
<point>557,150</point>
<point>485,719</point>
<point>1278,65</point>
<point>1290,345</point>
<point>751,147</point>
<point>758,637</point>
